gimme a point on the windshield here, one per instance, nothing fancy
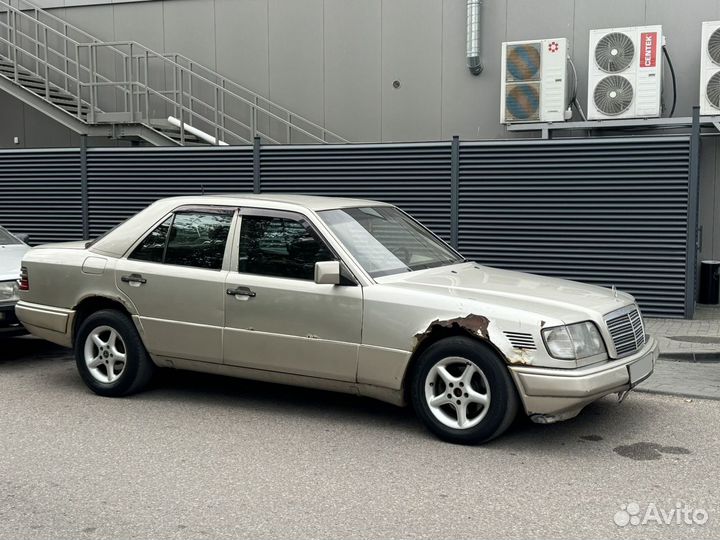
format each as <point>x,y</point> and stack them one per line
<point>7,238</point>
<point>386,241</point>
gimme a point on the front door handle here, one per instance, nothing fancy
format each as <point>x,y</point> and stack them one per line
<point>241,291</point>
<point>134,278</point>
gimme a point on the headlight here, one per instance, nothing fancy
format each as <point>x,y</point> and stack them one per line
<point>574,342</point>
<point>8,291</point>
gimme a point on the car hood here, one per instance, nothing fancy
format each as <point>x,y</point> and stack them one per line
<point>10,258</point>
<point>568,301</point>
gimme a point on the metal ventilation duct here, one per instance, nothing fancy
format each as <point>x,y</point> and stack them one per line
<point>473,36</point>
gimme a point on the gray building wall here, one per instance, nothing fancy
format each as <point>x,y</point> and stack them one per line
<point>335,61</point>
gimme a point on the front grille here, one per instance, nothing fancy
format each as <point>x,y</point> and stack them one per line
<point>626,329</point>
<point>520,340</point>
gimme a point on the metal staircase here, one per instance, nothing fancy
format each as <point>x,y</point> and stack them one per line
<point>122,89</point>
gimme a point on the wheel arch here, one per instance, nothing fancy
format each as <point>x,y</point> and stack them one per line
<point>94,303</point>
<point>438,332</point>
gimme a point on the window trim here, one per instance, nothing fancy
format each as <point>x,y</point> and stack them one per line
<point>187,208</point>
<point>205,209</point>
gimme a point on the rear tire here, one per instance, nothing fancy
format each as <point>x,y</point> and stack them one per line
<point>110,355</point>
<point>463,392</point>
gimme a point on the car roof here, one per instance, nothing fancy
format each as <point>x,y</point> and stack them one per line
<point>315,203</point>
<point>117,241</point>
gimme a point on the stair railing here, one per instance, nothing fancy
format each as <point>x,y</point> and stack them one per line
<point>125,82</point>
<point>260,103</point>
<point>35,49</point>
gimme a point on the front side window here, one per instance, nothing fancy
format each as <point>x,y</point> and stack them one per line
<point>280,247</point>
<point>194,239</point>
<point>386,241</point>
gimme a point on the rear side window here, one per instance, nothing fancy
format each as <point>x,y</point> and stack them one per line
<point>194,239</point>
<point>152,248</point>
<point>198,240</point>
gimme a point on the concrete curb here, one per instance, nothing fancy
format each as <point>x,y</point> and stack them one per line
<point>689,356</point>
<point>679,393</point>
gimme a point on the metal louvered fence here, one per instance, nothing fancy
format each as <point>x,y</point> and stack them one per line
<point>607,211</point>
<point>120,183</point>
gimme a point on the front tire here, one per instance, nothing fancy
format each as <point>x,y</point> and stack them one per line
<point>110,355</point>
<point>463,392</point>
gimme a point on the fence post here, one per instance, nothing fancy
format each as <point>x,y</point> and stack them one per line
<point>257,187</point>
<point>84,188</point>
<point>454,191</point>
<point>693,204</point>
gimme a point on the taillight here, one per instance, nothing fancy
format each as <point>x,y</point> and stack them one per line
<point>24,281</point>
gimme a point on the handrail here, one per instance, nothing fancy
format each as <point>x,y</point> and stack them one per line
<point>48,67</point>
<point>224,82</point>
<point>147,55</point>
<point>223,104</point>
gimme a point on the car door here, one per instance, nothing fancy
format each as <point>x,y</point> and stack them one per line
<point>276,317</point>
<point>175,277</point>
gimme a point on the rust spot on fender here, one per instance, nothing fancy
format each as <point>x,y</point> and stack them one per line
<point>474,324</point>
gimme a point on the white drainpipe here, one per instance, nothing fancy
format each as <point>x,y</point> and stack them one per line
<point>195,131</point>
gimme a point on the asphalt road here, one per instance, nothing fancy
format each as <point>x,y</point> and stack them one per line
<point>208,457</point>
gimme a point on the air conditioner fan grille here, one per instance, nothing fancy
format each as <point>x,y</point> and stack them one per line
<point>713,46</point>
<point>522,102</point>
<point>712,90</point>
<point>522,62</point>
<point>613,95</point>
<point>614,52</point>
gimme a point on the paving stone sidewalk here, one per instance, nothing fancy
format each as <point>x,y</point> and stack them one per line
<point>689,363</point>
<point>686,340</point>
<point>681,378</point>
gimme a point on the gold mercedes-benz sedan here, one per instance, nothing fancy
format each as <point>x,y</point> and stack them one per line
<point>340,294</point>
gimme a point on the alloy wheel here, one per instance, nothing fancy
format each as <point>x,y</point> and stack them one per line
<point>105,354</point>
<point>457,393</point>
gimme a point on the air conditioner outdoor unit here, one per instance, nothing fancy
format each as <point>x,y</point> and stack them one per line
<point>534,85</point>
<point>710,69</point>
<point>625,73</point>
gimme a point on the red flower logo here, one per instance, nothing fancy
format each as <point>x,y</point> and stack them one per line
<point>554,46</point>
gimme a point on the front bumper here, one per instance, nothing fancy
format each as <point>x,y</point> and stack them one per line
<point>550,395</point>
<point>9,323</point>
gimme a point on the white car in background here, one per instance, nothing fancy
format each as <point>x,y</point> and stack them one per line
<point>12,249</point>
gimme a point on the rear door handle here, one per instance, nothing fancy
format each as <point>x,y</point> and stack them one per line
<point>241,291</point>
<point>134,278</point>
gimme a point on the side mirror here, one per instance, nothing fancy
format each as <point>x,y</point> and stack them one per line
<point>327,273</point>
<point>23,237</point>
